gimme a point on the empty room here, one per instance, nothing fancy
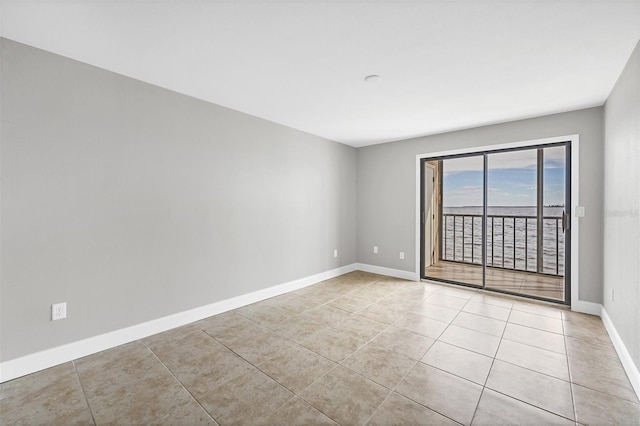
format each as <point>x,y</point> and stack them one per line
<point>266,212</point>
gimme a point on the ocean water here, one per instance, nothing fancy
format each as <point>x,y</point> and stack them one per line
<point>522,256</point>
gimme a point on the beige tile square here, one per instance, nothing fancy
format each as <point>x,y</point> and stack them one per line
<point>446,300</point>
<point>540,360</point>
<point>400,411</point>
<point>434,389</point>
<point>318,295</point>
<point>404,342</point>
<point>492,300</point>
<point>117,385</point>
<point>606,376</point>
<point>298,412</point>
<point>265,314</point>
<point>433,286</point>
<point>381,313</point>
<point>332,344</point>
<point>298,328</point>
<point>485,310</point>
<point>372,292</point>
<point>580,318</point>
<point>440,313</point>
<point>594,333</point>
<point>51,396</point>
<point>296,368</point>
<point>359,278</point>
<point>345,396</point>
<point>595,408</point>
<point>399,302</point>
<point>461,362</point>
<point>173,334</point>
<point>480,323</point>
<point>381,365</point>
<point>457,292</point>
<point>350,303</point>
<point>534,308</point>
<point>246,399</point>
<point>260,346</point>
<point>417,292</point>
<point>361,327</point>
<point>497,409</point>
<point>534,388</point>
<point>591,352</point>
<point>475,341</point>
<point>326,314</point>
<point>534,337</point>
<point>199,362</point>
<point>228,326</point>
<point>292,303</point>
<point>422,325</point>
<point>540,322</point>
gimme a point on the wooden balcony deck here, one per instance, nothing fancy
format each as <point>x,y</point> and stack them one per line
<point>525,283</point>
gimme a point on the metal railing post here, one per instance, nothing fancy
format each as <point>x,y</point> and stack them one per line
<point>540,212</point>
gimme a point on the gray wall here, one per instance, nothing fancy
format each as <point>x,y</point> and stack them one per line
<point>387,188</point>
<point>622,206</point>
<point>131,202</point>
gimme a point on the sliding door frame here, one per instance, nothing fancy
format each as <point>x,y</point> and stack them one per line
<point>571,142</point>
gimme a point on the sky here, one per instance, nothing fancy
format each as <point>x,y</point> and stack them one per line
<point>511,179</point>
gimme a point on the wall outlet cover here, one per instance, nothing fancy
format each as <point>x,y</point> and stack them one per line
<point>58,311</point>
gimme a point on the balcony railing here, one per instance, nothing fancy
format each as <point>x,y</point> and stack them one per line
<point>511,242</point>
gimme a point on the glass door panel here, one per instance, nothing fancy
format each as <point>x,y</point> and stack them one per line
<point>551,281</point>
<point>511,218</point>
<point>524,237</point>
<point>460,208</point>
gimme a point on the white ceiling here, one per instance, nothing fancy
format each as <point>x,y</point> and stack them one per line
<point>445,65</point>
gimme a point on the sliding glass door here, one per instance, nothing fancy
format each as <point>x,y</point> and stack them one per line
<point>501,221</point>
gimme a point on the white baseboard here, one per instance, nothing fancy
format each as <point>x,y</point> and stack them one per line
<point>396,273</point>
<point>48,358</point>
<point>627,362</point>
<point>587,307</point>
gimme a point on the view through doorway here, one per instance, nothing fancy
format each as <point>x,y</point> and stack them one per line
<point>498,220</point>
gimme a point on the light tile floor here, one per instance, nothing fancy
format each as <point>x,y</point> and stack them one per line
<point>356,349</point>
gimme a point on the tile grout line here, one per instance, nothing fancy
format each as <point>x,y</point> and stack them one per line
<point>179,381</point>
<point>484,386</point>
<point>532,405</point>
<point>573,398</point>
<point>84,392</point>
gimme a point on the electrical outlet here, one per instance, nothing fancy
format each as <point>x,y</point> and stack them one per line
<point>402,255</point>
<point>580,211</point>
<point>335,253</point>
<point>58,311</point>
<point>375,249</point>
<point>612,295</point>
